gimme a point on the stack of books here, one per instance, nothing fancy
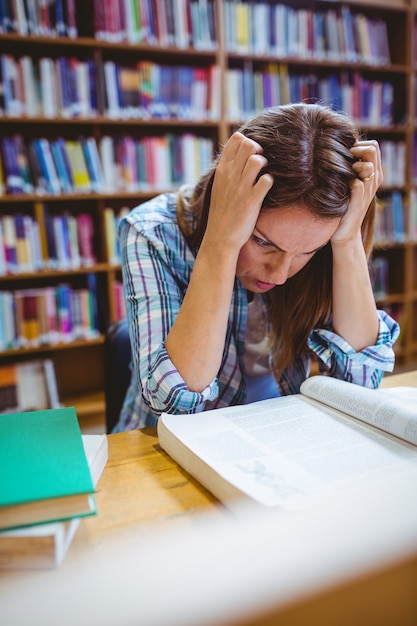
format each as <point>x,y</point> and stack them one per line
<point>48,474</point>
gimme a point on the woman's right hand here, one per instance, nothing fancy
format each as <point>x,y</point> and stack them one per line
<point>237,193</point>
<point>196,340</point>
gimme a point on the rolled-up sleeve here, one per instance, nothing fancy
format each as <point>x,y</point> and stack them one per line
<point>337,357</point>
<point>163,388</point>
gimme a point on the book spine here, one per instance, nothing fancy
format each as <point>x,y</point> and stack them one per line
<point>8,388</point>
<point>13,177</point>
<point>23,164</point>
<point>43,153</point>
<point>72,66</point>
<point>64,180</point>
<point>28,321</point>
<point>83,87</point>
<point>77,317</point>
<point>42,316</point>
<point>73,241</point>
<point>108,160</point>
<point>51,384</point>
<point>48,87</point>
<point>63,296</point>
<point>60,25</point>
<point>22,244</point>
<point>53,333</point>
<point>93,174</point>
<point>31,101</point>
<point>60,242</point>
<point>93,88</point>
<point>63,86</point>
<point>93,303</point>
<point>10,246</point>
<point>9,332</point>
<point>71,18</point>
<point>110,235</point>
<point>79,171</point>
<point>85,231</point>
<point>3,261</point>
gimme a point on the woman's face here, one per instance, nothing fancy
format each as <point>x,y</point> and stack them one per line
<point>283,242</point>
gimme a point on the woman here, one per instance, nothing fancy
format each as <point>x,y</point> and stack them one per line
<point>233,287</point>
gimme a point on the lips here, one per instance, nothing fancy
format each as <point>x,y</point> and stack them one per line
<point>264,286</point>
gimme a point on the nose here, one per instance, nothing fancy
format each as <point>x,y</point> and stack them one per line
<point>279,270</point>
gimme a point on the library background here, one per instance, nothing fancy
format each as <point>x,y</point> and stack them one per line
<point>104,104</point>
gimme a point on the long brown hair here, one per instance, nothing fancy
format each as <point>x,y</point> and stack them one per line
<point>308,151</point>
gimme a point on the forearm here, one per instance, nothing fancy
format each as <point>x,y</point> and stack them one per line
<point>196,340</point>
<point>353,312</point>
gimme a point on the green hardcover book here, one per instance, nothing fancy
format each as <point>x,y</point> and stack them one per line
<point>44,473</point>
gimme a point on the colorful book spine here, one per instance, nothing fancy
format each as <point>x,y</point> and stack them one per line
<point>53,333</point>
<point>71,18</point>
<point>8,320</point>
<point>10,244</point>
<point>92,286</point>
<point>85,229</point>
<point>23,255</point>
<point>63,297</point>
<point>43,153</point>
<point>110,235</point>
<point>65,180</point>
<point>79,170</point>
<point>28,327</point>
<point>13,177</point>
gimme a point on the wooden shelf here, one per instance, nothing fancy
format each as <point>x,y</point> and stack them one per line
<point>80,364</point>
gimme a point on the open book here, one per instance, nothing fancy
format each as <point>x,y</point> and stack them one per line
<point>289,451</point>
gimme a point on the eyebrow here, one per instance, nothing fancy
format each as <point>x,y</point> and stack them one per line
<point>282,250</point>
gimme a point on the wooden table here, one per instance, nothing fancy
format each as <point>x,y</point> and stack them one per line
<point>142,485</point>
<point>143,493</point>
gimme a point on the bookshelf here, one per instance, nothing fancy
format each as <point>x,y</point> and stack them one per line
<point>186,81</point>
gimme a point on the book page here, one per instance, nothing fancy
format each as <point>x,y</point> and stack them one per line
<point>281,452</point>
<point>395,414</point>
<point>406,393</point>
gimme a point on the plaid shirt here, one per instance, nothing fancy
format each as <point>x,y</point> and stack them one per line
<point>157,265</point>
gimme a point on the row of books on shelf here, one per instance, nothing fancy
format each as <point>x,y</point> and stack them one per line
<point>31,243</point>
<point>53,18</point>
<point>64,87</point>
<point>48,315</point>
<point>250,89</point>
<point>29,386</point>
<point>282,30</point>
<point>111,164</point>
<point>151,90</point>
<point>48,472</point>
<point>391,224</point>
<point>69,87</point>
<point>61,241</point>
<point>180,23</point>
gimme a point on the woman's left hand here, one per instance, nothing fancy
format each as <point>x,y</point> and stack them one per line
<point>368,169</point>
